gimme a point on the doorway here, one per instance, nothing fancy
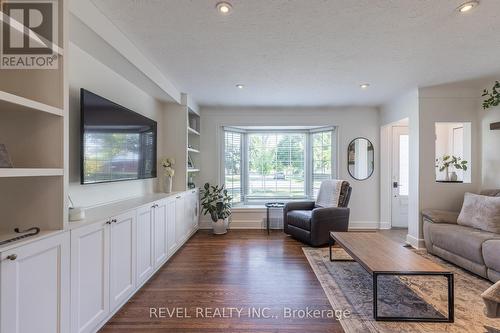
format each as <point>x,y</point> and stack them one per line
<point>400,172</point>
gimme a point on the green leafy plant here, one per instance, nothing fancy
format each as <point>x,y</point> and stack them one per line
<point>493,98</point>
<point>446,161</point>
<point>216,202</point>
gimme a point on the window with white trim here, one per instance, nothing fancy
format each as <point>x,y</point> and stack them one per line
<point>266,164</point>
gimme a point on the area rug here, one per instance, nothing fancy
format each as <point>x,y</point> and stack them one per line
<point>349,287</point>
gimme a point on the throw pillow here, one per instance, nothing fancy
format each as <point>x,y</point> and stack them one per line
<point>480,212</point>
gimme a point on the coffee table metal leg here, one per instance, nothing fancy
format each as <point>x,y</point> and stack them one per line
<point>451,295</point>
<point>330,243</point>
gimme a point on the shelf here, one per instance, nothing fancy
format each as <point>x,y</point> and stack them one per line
<point>192,150</point>
<point>193,131</point>
<point>17,103</point>
<point>26,172</point>
<point>193,170</point>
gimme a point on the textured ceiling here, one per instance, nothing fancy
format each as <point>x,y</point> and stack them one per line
<point>310,52</point>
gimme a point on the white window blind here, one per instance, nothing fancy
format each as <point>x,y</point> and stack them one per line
<point>277,164</point>
<point>233,164</point>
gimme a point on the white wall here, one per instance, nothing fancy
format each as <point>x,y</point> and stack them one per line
<point>86,72</point>
<point>447,104</point>
<point>490,148</point>
<point>403,108</point>
<point>352,122</point>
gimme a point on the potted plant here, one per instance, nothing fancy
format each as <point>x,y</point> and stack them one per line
<point>444,163</point>
<point>168,171</point>
<point>216,202</point>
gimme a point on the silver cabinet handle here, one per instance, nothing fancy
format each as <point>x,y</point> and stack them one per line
<point>108,222</point>
<point>12,257</point>
<point>113,221</point>
<point>178,197</point>
<point>154,206</point>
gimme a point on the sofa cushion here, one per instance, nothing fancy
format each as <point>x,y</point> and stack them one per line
<point>460,240</point>
<point>491,254</point>
<point>300,219</point>
<point>481,212</point>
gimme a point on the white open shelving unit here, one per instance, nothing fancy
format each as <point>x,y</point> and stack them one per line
<point>34,129</point>
<point>182,139</point>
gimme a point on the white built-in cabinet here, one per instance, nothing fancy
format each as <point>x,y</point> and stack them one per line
<point>122,257</point>
<point>145,243</point>
<point>35,286</point>
<point>113,258</point>
<point>89,276</point>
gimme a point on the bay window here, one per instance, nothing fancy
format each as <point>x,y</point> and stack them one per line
<point>264,164</point>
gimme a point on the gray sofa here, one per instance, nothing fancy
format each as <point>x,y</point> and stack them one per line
<point>475,250</point>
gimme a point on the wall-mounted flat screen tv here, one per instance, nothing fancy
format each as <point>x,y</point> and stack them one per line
<point>117,144</point>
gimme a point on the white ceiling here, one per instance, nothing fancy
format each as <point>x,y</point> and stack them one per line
<point>310,52</point>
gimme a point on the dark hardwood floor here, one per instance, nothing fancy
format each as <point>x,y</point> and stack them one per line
<point>243,269</point>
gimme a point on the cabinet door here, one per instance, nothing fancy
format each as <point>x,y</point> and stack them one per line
<point>171,226</point>
<point>89,276</point>
<point>145,254</point>
<point>160,233</point>
<point>122,258</point>
<point>34,287</point>
<point>180,219</point>
<point>194,206</point>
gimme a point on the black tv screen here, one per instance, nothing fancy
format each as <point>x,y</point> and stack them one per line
<point>117,144</point>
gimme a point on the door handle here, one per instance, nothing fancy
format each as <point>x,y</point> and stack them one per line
<point>12,257</point>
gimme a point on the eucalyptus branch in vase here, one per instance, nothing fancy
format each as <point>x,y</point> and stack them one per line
<point>444,163</point>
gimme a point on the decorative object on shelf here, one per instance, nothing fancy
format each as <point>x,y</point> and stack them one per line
<point>168,172</point>
<point>360,158</point>
<point>190,162</point>
<point>493,98</point>
<point>444,163</point>
<point>191,183</point>
<point>216,202</point>
<point>495,126</point>
<point>5,161</point>
<point>75,213</point>
<point>27,233</point>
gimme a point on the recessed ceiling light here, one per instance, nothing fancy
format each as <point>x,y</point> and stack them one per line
<point>224,8</point>
<point>468,6</point>
<point>364,85</point>
<point>240,86</point>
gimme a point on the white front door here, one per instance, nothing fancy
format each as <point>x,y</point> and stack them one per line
<point>400,176</point>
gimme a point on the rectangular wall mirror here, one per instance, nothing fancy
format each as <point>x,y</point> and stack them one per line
<point>453,152</point>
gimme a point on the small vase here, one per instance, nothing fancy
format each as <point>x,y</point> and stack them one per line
<point>447,177</point>
<point>453,176</point>
<point>167,186</point>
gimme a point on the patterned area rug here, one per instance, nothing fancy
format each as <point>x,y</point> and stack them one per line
<point>349,287</point>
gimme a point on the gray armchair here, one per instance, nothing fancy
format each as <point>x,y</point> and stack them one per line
<point>312,221</point>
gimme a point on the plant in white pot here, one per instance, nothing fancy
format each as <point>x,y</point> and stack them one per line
<point>216,202</point>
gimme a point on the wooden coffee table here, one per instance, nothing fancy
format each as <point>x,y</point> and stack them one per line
<point>379,255</point>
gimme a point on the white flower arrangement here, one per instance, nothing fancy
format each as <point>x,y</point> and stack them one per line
<point>167,163</point>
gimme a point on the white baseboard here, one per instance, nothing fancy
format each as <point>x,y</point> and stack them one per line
<point>417,243</point>
<point>385,225</point>
<point>259,224</point>
<point>240,224</point>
